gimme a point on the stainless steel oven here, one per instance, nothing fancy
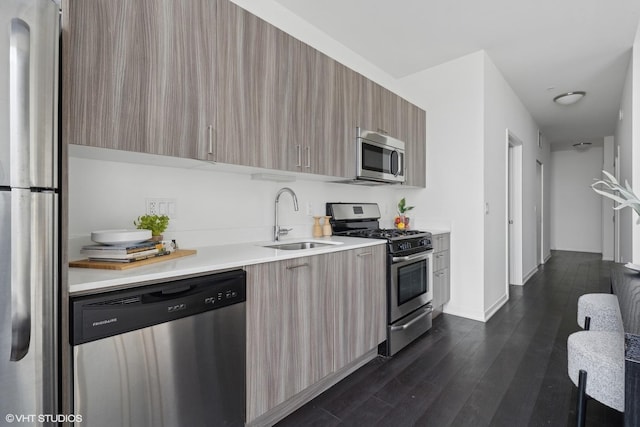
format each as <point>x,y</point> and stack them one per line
<point>379,157</point>
<point>410,283</point>
<point>409,299</point>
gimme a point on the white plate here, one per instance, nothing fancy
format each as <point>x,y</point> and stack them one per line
<point>120,237</point>
<point>634,267</point>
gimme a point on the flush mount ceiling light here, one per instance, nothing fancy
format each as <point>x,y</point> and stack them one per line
<point>582,145</point>
<point>569,98</point>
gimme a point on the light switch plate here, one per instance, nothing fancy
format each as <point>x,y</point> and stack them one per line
<point>161,207</point>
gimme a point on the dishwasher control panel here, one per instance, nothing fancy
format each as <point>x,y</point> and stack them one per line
<point>103,315</point>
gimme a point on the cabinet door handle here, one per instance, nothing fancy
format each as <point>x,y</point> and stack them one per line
<point>299,149</point>
<point>308,150</point>
<point>210,138</point>
<point>364,254</point>
<point>293,267</point>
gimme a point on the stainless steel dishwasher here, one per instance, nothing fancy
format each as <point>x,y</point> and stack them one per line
<point>170,354</point>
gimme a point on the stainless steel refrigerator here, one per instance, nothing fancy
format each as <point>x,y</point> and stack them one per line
<point>29,209</point>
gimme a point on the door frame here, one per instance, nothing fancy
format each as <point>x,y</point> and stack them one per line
<point>513,209</point>
<point>540,211</point>
<point>616,213</point>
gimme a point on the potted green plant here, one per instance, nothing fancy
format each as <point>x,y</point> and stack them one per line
<point>156,223</point>
<point>402,220</point>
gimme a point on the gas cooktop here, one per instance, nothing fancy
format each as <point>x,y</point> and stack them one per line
<point>384,233</point>
<point>361,220</point>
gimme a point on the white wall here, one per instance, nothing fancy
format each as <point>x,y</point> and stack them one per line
<point>607,203</point>
<point>212,207</point>
<point>452,95</point>
<point>503,110</point>
<point>469,107</point>
<point>576,210</point>
<point>635,108</point>
<point>623,146</point>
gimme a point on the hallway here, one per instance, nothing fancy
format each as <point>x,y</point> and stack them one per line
<point>510,371</point>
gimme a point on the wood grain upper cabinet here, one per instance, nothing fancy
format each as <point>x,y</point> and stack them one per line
<point>281,101</point>
<point>140,75</point>
<point>290,323</point>
<point>255,69</point>
<point>412,131</point>
<point>378,108</point>
<point>360,302</point>
<point>323,125</point>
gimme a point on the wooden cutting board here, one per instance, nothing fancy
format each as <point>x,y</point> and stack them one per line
<point>106,265</point>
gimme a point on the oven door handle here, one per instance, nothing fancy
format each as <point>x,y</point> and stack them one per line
<point>421,255</point>
<point>407,325</point>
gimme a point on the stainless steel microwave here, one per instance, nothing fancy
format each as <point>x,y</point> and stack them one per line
<point>379,157</point>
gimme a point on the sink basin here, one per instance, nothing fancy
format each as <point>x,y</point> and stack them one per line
<point>294,246</point>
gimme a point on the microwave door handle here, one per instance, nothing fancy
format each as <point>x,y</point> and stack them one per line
<point>393,160</point>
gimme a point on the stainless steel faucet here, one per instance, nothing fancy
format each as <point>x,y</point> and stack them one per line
<point>277,231</point>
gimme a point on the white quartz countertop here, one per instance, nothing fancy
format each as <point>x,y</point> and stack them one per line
<point>208,259</point>
<point>437,231</point>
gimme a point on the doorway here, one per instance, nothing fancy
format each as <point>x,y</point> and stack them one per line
<point>540,212</point>
<point>513,268</point>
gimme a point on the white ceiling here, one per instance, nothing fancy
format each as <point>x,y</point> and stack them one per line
<point>543,47</point>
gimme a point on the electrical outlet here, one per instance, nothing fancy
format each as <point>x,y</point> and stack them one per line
<point>152,206</point>
<point>161,207</point>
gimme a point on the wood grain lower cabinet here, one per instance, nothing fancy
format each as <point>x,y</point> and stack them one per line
<point>308,318</point>
<point>360,303</point>
<point>139,75</point>
<point>441,282</point>
<point>290,322</point>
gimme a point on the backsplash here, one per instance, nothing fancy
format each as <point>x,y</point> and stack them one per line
<point>212,207</point>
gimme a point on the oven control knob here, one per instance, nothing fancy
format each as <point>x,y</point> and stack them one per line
<point>404,246</point>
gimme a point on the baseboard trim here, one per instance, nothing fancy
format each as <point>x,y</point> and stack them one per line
<point>495,307</point>
<point>529,275</point>
<point>449,309</point>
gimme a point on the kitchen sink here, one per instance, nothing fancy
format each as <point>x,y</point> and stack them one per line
<point>294,246</point>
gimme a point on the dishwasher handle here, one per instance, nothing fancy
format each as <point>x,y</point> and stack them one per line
<point>168,294</point>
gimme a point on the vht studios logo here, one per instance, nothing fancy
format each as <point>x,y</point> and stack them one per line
<point>42,418</point>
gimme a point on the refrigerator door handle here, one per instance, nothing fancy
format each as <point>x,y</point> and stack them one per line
<point>19,138</point>
<point>20,273</point>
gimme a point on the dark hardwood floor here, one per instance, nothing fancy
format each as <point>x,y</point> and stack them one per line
<point>510,371</point>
